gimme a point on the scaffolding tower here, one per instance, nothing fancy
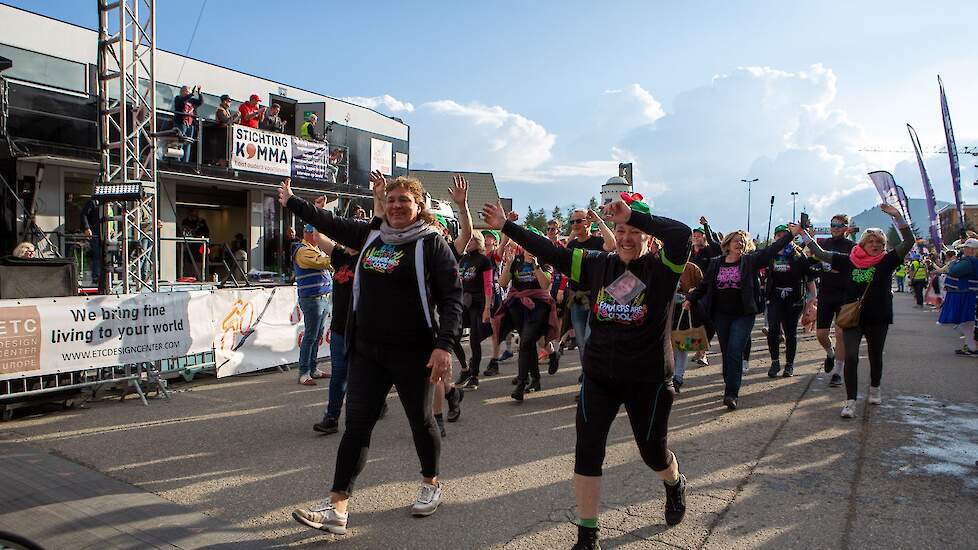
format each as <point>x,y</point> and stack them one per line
<point>127,127</point>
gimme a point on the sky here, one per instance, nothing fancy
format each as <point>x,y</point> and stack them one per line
<point>550,96</point>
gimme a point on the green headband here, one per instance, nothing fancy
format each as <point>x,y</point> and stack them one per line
<point>441,219</point>
<point>532,229</point>
<point>780,228</point>
<point>491,232</point>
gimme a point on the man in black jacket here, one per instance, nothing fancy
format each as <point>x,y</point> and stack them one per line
<point>91,223</point>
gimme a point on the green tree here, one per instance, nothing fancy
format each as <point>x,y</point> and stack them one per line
<point>593,203</point>
<point>558,215</point>
<point>892,237</point>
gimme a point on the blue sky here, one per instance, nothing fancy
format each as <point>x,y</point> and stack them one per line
<point>549,96</point>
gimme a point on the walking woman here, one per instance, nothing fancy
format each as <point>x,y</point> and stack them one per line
<point>628,357</point>
<point>730,295</point>
<point>788,273</point>
<point>529,309</point>
<point>405,271</point>
<point>476,272</point>
<point>961,289</point>
<point>688,281</point>
<point>868,269</point>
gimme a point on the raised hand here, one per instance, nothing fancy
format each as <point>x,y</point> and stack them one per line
<point>890,209</point>
<point>378,184</point>
<point>494,215</point>
<point>591,216</point>
<point>513,217</point>
<point>795,229</point>
<point>703,220</point>
<point>320,201</point>
<point>459,190</point>
<point>617,212</point>
<point>285,191</point>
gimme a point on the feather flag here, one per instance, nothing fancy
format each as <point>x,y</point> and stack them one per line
<point>935,224</point>
<point>952,156</point>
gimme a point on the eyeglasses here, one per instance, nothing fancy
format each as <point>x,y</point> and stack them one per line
<point>551,228</point>
<point>575,222</point>
<point>835,225</point>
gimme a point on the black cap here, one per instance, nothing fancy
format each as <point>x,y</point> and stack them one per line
<point>225,97</point>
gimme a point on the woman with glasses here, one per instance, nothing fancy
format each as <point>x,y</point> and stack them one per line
<point>868,269</point>
<point>730,294</point>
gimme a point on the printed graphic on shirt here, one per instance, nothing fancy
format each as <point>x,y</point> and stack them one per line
<point>864,275</point>
<point>728,277</point>
<point>343,275</point>
<point>607,309</point>
<point>781,266</point>
<point>467,272</point>
<point>382,260</point>
<point>525,274</point>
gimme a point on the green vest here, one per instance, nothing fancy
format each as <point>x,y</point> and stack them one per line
<point>304,131</point>
<point>901,271</point>
<point>919,270</point>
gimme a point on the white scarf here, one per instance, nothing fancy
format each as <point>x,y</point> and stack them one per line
<point>417,230</point>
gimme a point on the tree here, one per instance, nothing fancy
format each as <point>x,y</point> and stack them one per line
<point>536,218</point>
<point>593,203</point>
<point>892,237</point>
<point>558,215</point>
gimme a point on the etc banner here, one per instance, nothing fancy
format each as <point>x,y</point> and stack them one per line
<point>309,159</point>
<point>260,151</point>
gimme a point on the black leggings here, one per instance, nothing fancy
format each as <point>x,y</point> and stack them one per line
<point>648,405</point>
<point>918,290</point>
<point>473,315</point>
<point>374,368</point>
<point>783,316</point>
<point>531,324</point>
<point>875,340</point>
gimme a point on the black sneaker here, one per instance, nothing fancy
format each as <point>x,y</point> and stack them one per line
<point>677,384</point>
<point>789,371</point>
<point>463,377</point>
<point>554,363</point>
<point>519,391</point>
<point>471,384</point>
<point>534,385</point>
<point>835,381</point>
<point>828,364</point>
<point>730,402</point>
<point>774,370</point>
<point>329,425</point>
<point>587,539</point>
<point>492,369</point>
<point>675,501</point>
<point>454,398</point>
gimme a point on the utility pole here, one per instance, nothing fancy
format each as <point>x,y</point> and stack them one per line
<point>794,194</point>
<point>748,182</point>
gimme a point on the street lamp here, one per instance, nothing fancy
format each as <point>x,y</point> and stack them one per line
<point>793,195</point>
<point>748,182</point>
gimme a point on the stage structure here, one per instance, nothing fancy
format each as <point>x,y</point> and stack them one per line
<point>127,187</point>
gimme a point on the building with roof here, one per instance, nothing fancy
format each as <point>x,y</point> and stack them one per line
<point>49,127</point>
<point>482,189</point>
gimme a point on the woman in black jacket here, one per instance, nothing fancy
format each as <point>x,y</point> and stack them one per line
<point>405,270</point>
<point>628,357</point>
<point>788,273</point>
<point>868,270</point>
<point>730,295</point>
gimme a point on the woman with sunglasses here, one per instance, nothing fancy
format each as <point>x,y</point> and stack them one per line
<point>868,269</point>
<point>730,294</point>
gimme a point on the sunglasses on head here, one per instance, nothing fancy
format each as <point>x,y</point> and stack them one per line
<point>836,225</point>
<point>575,222</point>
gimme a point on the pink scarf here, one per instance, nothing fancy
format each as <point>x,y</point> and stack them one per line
<point>861,259</point>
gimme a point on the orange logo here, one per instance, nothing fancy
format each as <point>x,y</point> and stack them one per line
<point>251,150</point>
<point>20,339</point>
<point>237,322</point>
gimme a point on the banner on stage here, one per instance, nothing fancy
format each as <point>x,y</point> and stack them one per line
<point>381,156</point>
<point>309,159</point>
<point>257,329</point>
<point>260,151</point>
<point>47,336</point>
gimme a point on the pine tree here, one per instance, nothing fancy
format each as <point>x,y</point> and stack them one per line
<point>593,204</point>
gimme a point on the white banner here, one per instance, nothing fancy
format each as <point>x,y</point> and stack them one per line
<point>261,151</point>
<point>400,160</point>
<point>257,329</point>
<point>51,335</point>
<point>381,155</point>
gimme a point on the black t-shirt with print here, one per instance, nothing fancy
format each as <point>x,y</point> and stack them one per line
<point>391,311</point>
<point>877,308</point>
<point>592,243</point>
<point>728,297</point>
<point>523,277</point>
<point>831,281</point>
<point>344,265</point>
<point>472,268</point>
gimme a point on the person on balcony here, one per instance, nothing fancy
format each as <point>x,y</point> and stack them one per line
<point>309,131</point>
<point>225,119</point>
<point>185,115</point>
<point>272,122</point>
<point>251,111</point>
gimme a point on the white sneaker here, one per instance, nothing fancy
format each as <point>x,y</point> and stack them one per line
<point>746,365</point>
<point>316,373</point>
<point>429,497</point>
<point>323,516</point>
<point>875,397</point>
<point>849,409</point>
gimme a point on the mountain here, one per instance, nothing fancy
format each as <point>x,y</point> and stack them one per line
<point>874,217</point>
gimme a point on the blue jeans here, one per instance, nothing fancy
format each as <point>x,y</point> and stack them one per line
<point>582,331</point>
<point>337,377</point>
<point>679,358</point>
<point>314,310</point>
<point>733,333</point>
<point>899,281</point>
<point>188,131</point>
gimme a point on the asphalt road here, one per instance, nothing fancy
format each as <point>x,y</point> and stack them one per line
<point>785,470</point>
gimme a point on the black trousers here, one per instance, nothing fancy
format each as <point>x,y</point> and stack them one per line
<point>472,315</point>
<point>531,324</point>
<point>875,340</point>
<point>782,317</point>
<point>918,290</point>
<point>648,405</point>
<point>374,368</point>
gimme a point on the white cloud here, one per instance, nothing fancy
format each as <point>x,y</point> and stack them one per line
<point>383,103</point>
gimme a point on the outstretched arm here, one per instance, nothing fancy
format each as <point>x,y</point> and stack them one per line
<point>766,254</point>
<point>675,235</point>
<point>610,244</point>
<point>346,232</point>
<point>460,195</point>
<point>906,234</point>
<point>538,245</point>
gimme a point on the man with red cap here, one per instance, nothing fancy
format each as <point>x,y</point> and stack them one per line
<point>251,111</point>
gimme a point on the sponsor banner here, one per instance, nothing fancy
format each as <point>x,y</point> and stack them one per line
<point>952,157</point>
<point>381,155</point>
<point>400,160</point>
<point>260,151</point>
<point>46,335</point>
<point>935,224</point>
<point>257,329</point>
<point>309,159</point>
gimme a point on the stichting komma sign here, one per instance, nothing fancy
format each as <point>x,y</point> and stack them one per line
<point>261,151</point>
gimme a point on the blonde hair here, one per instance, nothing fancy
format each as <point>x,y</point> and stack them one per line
<point>22,249</point>
<point>872,232</point>
<point>479,240</point>
<point>748,242</point>
<point>416,189</point>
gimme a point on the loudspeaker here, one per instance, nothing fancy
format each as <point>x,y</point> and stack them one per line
<point>37,277</point>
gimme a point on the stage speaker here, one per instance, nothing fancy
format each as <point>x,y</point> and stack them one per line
<point>37,277</point>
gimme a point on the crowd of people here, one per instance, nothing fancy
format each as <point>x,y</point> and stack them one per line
<point>616,287</point>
